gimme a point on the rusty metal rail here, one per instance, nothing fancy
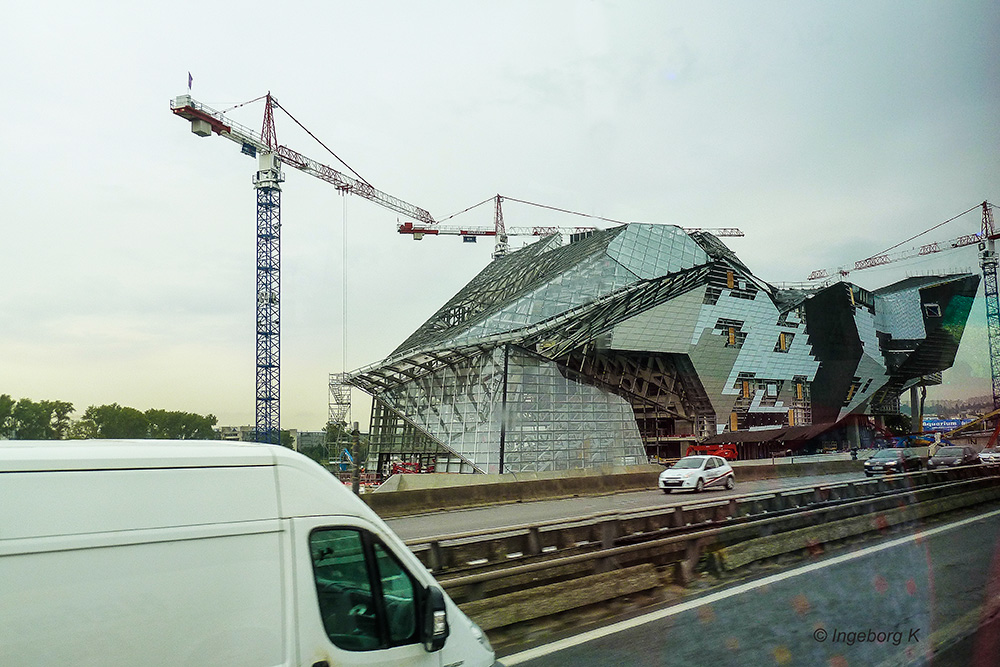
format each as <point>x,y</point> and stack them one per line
<point>483,551</point>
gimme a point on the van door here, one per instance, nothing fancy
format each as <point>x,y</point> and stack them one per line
<point>358,603</point>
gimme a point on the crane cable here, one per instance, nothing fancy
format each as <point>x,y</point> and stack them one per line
<point>343,317</point>
<point>306,130</point>
<point>931,229</point>
<point>563,210</point>
<point>529,203</point>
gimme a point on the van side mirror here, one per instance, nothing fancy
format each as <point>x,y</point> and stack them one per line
<point>434,628</point>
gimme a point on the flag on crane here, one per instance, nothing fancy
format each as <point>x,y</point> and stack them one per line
<point>189,81</point>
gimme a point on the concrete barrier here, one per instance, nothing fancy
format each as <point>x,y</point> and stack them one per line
<point>500,489</point>
<point>743,553</point>
<point>541,601</point>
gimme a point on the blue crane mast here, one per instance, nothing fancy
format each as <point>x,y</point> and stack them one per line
<point>267,183</point>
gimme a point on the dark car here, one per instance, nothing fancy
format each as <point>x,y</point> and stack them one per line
<point>893,460</point>
<point>953,456</point>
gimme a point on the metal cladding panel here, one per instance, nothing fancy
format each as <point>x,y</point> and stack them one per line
<point>872,375</point>
<point>666,328</point>
<point>833,335</point>
<point>898,314</point>
<point>756,354</point>
<point>588,280</point>
<point>945,306</point>
<point>652,251</point>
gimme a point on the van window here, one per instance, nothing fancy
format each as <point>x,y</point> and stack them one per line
<point>399,595</point>
<point>367,599</point>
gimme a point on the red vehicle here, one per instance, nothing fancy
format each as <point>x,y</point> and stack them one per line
<point>727,452</point>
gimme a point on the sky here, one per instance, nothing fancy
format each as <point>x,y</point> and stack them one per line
<point>826,131</point>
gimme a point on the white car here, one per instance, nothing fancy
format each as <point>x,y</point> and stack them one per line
<point>698,473</point>
<point>990,456</point>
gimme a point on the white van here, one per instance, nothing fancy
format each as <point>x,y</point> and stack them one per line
<point>151,552</point>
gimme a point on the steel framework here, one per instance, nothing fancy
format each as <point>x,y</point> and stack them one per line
<point>988,261</point>
<point>268,385</point>
<point>204,121</point>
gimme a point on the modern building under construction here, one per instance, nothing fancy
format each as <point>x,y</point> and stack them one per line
<point>639,339</point>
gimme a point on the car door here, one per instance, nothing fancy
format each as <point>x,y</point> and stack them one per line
<point>709,471</point>
<point>360,601</point>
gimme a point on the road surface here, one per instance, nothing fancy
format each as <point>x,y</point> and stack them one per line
<point>904,600</point>
<point>512,514</point>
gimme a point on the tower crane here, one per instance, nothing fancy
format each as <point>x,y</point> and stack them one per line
<point>267,183</point>
<point>501,233</point>
<point>986,241</point>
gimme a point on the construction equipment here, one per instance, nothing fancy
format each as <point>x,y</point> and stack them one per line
<point>986,241</point>
<point>970,426</point>
<point>501,233</point>
<point>267,182</point>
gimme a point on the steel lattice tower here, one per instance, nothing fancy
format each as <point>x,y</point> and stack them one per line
<point>988,261</point>
<point>268,423</point>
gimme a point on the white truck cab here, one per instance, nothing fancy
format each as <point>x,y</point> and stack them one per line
<point>207,553</point>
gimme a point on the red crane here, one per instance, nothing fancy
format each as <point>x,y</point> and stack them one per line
<point>501,232</point>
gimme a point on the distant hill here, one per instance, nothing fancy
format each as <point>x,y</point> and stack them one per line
<point>951,409</point>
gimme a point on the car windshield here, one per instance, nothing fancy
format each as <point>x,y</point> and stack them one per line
<point>688,463</point>
<point>949,451</point>
<point>886,454</point>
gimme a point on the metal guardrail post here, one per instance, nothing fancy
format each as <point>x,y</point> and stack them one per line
<point>534,541</point>
<point>686,567</point>
<point>435,557</point>
<point>609,533</point>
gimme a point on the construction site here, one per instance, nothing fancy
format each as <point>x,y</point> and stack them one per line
<point>597,347</point>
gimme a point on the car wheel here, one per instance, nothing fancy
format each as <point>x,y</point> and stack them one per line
<point>868,474</point>
<point>666,491</point>
<point>700,486</point>
<point>730,482</point>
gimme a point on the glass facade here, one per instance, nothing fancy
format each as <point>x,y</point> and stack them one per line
<point>584,355</point>
<point>542,421</point>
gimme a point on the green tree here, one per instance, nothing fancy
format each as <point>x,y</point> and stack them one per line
<point>36,420</point>
<point>6,416</point>
<point>174,425</point>
<point>339,438</point>
<point>116,421</point>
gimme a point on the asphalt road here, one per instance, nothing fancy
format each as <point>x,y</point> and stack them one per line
<point>499,516</point>
<point>904,600</point>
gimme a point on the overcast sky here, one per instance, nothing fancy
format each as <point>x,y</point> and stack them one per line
<point>826,131</point>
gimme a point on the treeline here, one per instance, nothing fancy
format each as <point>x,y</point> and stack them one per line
<point>951,409</point>
<point>25,419</point>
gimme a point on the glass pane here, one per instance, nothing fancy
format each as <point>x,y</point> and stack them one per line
<point>344,590</point>
<point>399,594</point>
